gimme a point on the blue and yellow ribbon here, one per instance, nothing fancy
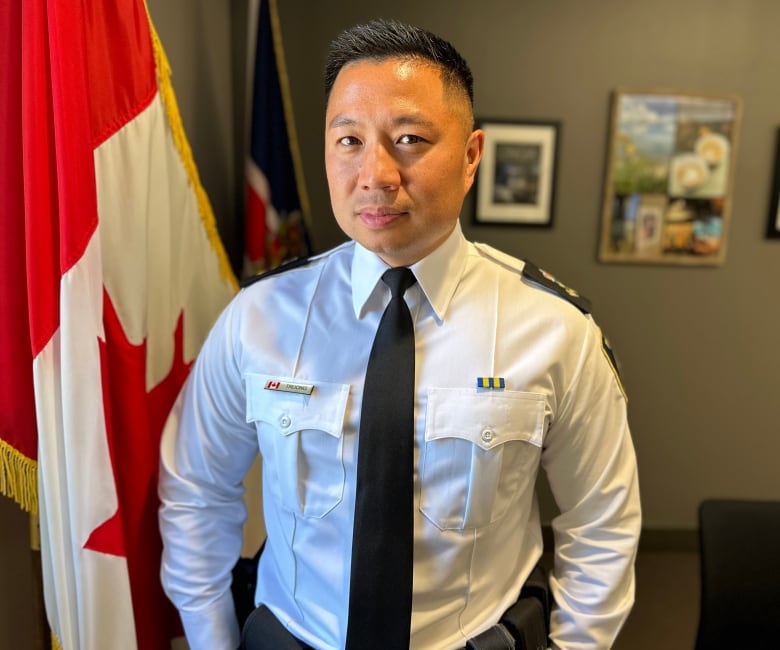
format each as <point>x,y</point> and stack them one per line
<point>490,382</point>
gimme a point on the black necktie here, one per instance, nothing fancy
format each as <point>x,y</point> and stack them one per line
<point>380,594</point>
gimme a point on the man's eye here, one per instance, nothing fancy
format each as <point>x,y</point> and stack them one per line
<point>349,141</point>
<point>410,139</point>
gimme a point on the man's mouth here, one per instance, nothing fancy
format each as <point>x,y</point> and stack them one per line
<point>377,217</point>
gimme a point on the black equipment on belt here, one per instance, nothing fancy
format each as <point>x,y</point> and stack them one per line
<point>526,624</point>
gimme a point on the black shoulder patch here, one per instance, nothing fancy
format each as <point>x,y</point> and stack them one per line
<point>287,266</point>
<point>545,279</point>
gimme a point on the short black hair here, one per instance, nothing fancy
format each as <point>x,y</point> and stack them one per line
<point>383,39</point>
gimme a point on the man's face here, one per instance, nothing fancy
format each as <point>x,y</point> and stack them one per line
<point>400,156</point>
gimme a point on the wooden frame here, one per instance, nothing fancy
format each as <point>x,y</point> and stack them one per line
<point>516,178</point>
<point>773,218</point>
<point>668,185</point>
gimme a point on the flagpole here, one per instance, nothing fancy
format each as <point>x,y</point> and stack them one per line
<point>42,632</point>
<point>284,86</point>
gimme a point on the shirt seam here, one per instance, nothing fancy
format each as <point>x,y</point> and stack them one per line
<point>320,270</point>
<point>581,362</point>
<point>467,597</point>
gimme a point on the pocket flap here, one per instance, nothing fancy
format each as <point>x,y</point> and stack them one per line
<point>323,409</point>
<point>487,419</point>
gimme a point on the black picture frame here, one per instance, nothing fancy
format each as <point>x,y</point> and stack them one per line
<point>515,184</point>
<point>773,218</point>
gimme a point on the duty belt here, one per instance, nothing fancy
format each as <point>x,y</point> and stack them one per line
<point>524,626</point>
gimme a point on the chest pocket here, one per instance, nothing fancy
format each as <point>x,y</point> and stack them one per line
<point>301,442</point>
<point>481,454</point>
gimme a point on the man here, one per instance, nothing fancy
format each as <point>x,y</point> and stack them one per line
<point>401,153</point>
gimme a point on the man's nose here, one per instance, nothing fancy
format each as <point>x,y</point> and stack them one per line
<point>379,168</point>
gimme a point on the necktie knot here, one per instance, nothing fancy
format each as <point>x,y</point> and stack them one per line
<point>399,279</point>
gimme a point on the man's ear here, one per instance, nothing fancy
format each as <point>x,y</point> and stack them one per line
<point>474,146</point>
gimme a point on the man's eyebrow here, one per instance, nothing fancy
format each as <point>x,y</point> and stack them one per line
<point>402,120</point>
<point>341,120</point>
<point>413,120</point>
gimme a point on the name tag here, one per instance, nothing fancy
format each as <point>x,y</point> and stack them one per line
<point>289,387</point>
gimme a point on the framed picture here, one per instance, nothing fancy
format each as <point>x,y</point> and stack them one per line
<point>668,185</point>
<point>516,178</point>
<point>773,222</point>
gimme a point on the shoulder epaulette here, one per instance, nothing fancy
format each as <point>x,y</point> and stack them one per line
<point>287,266</point>
<point>545,279</point>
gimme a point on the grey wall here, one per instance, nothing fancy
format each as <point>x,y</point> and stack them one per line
<point>699,346</point>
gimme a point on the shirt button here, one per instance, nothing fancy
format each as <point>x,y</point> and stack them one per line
<point>285,421</point>
<point>487,435</point>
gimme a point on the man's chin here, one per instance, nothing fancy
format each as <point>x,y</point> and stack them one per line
<point>393,253</point>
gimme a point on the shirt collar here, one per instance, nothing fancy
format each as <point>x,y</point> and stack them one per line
<point>438,275</point>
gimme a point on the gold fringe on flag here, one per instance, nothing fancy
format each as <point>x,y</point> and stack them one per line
<point>205,210</point>
<point>19,477</point>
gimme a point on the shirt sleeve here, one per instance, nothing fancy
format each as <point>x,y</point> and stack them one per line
<point>591,468</point>
<point>206,450</point>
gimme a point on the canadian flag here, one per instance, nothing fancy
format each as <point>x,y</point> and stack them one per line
<point>112,275</point>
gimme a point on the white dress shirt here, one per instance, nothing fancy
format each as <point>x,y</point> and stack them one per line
<point>477,452</point>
